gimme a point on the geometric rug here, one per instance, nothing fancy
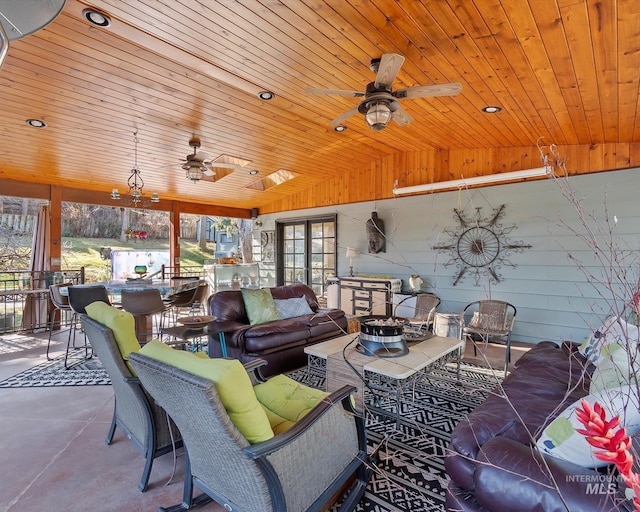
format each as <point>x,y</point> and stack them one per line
<point>83,372</point>
<point>409,472</point>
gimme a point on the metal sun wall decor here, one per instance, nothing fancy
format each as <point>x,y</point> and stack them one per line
<point>480,245</point>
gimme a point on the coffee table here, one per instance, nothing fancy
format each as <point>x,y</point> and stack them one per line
<point>342,363</point>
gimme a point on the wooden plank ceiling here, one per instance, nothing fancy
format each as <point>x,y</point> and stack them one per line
<point>564,70</point>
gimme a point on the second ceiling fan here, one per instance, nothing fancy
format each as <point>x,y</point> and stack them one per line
<point>380,103</point>
<point>199,165</point>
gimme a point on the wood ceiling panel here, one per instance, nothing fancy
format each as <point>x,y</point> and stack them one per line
<point>564,70</point>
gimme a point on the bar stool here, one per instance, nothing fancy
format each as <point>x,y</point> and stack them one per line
<point>145,305</point>
<point>60,303</point>
<point>80,296</point>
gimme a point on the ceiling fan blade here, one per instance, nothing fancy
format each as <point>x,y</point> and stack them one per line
<point>209,172</point>
<point>221,165</point>
<point>201,156</point>
<point>355,94</point>
<point>402,117</point>
<point>390,64</point>
<point>344,117</point>
<point>423,91</point>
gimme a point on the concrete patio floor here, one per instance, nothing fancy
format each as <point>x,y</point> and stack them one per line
<point>54,455</point>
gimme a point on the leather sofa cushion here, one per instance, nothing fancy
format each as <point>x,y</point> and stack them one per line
<point>228,305</point>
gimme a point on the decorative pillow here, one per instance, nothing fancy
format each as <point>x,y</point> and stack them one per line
<point>560,439</point>
<point>616,370</point>
<point>232,384</point>
<point>290,308</point>
<point>259,305</point>
<point>120,322</point>
<point>612,335</point>
<point>285,401</point>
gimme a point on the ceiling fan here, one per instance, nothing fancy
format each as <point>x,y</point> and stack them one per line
<point>380,103</point>
<point>199,165</point>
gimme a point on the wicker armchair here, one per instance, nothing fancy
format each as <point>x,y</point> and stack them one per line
<point>299,470</point>
<point>135,412</point>
<point>489,320</point>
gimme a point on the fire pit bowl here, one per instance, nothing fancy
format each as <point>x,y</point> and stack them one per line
<point>381,336</point>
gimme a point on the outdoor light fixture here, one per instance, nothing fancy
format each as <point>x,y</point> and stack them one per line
<point>193,171</point>
<point>491,110</point>
<point>135,183</point>
<point>340,128</point>
<point>96,18</point>
<point>378,115</point>
<point>36,123</point>
<point>351,253</point>
<point>476,180</point>
<point>266,95</point>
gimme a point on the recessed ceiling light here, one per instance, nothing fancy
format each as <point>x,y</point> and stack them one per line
<point>96,18</point>
<point>491,110</point>
<point>266,95</point>
<point>36,123</point>
<point>253,172</point>
<point>340,128</point>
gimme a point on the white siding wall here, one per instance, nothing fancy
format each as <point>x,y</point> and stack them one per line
<point>554,298</point>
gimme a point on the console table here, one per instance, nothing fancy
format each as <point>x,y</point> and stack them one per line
<point>360,296</point>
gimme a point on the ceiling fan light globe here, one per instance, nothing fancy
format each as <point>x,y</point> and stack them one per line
<point>194,173</point>
<point>378,115</point>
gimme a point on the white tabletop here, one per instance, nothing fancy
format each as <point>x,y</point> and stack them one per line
<point>420,355</point>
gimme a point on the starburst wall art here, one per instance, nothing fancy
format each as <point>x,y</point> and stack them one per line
<point>480,245</point>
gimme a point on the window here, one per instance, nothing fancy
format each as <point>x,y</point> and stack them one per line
<point>306,251</point>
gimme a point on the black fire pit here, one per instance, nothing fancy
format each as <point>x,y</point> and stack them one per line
<point>382,336</point>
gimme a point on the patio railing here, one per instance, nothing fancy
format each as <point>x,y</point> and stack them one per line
<point>24,297</point>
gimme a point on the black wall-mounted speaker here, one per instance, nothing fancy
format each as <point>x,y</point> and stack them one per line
<point>254,213</point>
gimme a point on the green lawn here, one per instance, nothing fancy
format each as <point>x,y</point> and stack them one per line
<point>85,252</point>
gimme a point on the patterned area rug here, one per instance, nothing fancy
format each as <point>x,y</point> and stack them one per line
<point>53,373</point>
<point>409,475</point>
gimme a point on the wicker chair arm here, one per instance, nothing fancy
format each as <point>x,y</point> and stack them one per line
<point>253,369</point>
<point>301,427</point>
<point>315,455</point>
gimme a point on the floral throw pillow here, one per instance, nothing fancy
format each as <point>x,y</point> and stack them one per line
<point>560,439</point>
<point>259,305</point>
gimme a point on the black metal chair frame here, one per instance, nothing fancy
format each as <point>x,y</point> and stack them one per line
<point>488,332</point>
<point>80,296</point>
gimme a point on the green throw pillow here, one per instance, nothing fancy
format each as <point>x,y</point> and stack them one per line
<point>121,323</point>
<point>232,384</point>
<point>286,401</point>
<point>259,305</point>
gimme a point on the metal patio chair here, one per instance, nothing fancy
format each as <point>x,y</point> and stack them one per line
<point>80,296</point>
<point>489,321</point>
<point>420,323</point>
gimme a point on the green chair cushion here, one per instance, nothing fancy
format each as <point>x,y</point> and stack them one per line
<point>286,401</point>
<point>232,384</point>
<point>121,323</point>
<point>259,305</point>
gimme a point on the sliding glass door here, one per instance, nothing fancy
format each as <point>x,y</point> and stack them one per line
<point>307,251</point>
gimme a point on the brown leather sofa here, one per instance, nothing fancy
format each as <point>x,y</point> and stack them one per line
<point>492,461</point>
<point>280,342</point>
